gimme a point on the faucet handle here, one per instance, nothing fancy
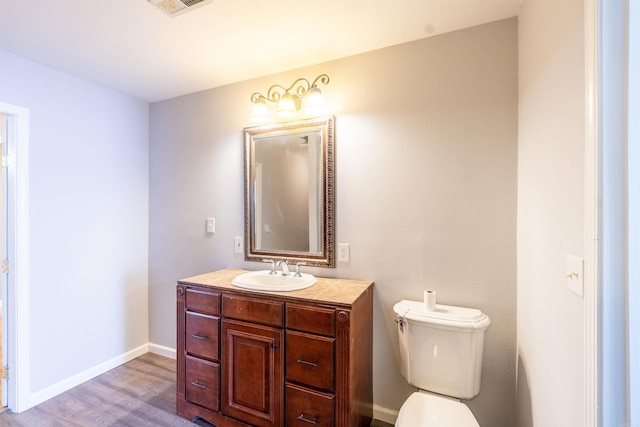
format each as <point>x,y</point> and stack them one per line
<point>273,266</point>
<point>297,273</point>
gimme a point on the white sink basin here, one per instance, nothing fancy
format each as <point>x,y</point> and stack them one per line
<point>263,281</point>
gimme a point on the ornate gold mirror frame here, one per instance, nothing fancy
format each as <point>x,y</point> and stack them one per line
<point>289,192</point>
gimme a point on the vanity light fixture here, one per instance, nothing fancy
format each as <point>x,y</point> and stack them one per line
<point>289,100</point>
<point>175,8</point>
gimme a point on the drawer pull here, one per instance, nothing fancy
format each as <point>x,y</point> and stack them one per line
<point>304,362</point>
<point>301,417</point>
<point>197,384</point>
<point>200,337</point>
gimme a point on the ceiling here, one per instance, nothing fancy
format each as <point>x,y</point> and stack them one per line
<point>134,47</point>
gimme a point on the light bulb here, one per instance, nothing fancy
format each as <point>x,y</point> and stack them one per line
<point>286,106</point>
<point>260,112</point>
<point>315,103</point>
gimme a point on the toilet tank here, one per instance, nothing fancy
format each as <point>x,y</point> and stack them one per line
<point>441,350</point>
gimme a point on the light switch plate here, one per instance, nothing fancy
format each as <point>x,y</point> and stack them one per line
<point>211,225</point>
<point>575,274</point>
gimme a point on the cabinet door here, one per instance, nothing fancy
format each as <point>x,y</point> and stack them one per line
<point>252,377</point>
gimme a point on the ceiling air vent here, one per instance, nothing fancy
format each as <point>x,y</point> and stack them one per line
<point>178,7</point>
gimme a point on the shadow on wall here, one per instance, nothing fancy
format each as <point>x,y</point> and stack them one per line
<point>523,396</point>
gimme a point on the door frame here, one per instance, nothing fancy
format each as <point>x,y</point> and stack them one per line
<point>592,192</point>
<point>609,209</point>
<point>17,303</point>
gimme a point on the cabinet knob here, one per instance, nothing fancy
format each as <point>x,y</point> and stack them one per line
<point>275,346</point>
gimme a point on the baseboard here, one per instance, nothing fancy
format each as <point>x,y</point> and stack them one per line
<point>163,351</point>
<point>385,414</point>
<point>66,384</point>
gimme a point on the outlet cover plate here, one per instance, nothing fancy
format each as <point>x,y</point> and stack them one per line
<point>238,245</point>
<point>343,252</point>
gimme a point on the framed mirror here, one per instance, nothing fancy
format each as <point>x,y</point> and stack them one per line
<point>289,192</point>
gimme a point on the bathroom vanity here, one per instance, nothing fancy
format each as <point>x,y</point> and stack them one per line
<point>256,358</point>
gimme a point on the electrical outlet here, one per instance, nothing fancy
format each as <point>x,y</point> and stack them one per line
<point>343,252</point>
<point>211,225</point>
<point>238,245</point>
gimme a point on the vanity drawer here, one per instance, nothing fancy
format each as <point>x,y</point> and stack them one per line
<point>202,301</point>
<point>316,320</point>
<point>309,360</point>
<point>202,335</point>
<point>253,310</point>
<point>307,407</point>
<point>202,383</point>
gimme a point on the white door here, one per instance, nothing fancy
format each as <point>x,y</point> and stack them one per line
<point>14,231</point>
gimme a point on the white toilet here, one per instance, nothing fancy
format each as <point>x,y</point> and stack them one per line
<point>441,352</point>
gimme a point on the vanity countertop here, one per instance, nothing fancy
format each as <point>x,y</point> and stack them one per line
<point>334,291</point>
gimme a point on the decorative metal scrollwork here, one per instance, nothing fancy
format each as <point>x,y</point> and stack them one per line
<point>300,87</point>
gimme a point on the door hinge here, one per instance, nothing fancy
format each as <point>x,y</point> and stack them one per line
<point>5,372</point>
<point>5,265</point>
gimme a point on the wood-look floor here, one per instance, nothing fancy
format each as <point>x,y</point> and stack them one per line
<point>140,393</point>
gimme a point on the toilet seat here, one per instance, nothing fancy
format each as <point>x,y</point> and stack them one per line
<point>422,409</point>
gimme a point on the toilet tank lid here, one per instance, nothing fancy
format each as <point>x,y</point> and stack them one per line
<point>446,315</point>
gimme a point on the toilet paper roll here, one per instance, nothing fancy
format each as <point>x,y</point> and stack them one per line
<point>429,300</point>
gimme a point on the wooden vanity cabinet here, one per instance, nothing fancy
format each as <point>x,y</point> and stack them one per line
<point>258,359</point>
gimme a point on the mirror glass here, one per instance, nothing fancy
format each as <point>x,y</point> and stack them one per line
<point>289,192</point>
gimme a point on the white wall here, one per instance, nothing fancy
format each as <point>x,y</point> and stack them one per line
<point>551,140</point>
<point>426,136</point>
<point>88,225</point>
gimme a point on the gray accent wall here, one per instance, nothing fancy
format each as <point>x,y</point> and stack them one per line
<point>426,170</point>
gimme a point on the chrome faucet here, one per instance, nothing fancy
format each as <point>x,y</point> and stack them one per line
<point>285,267</point>
<point>273,266</point>
<point>298,264</point>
